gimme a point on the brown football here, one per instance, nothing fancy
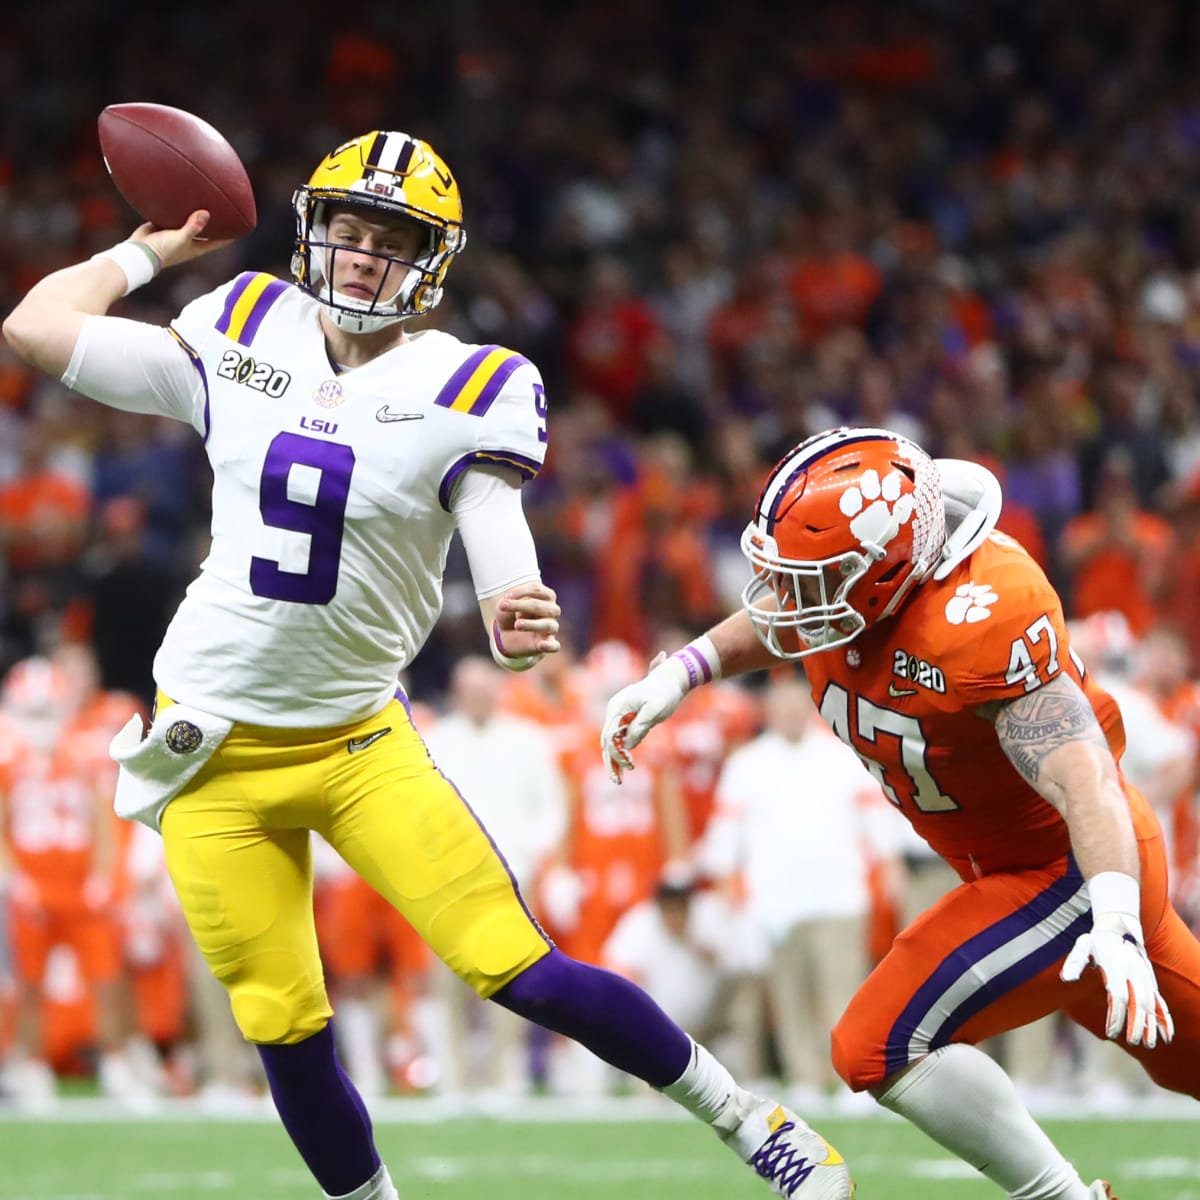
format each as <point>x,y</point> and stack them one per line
<point>167,163</point>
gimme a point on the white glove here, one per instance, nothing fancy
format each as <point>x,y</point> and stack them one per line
<point>1115,945</point>
<point>637,708</point>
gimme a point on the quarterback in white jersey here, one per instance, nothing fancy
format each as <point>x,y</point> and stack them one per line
<point>345,453</point>
<point>335,495</point>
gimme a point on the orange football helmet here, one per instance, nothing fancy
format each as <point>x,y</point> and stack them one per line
<point>846,524</point>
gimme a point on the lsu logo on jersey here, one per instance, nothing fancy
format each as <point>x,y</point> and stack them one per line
<point>915,671</point>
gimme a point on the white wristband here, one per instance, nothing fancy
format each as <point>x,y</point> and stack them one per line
<point>1115,892</point>
<point>137,261</point>
<point>521,662</point>
<point>700,661</point>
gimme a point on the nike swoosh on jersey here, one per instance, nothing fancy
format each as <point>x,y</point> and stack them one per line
<point>362,743</point>
<point>893,690</point>
<point>386,414</point>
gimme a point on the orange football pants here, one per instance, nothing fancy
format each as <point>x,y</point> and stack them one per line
<point>986,958</point>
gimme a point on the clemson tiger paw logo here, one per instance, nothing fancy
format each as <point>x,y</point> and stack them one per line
<point>876,507</point>
<point>971,602</point>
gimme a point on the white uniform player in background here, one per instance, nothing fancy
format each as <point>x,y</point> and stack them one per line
<point>508,767</point>
<point>345,453</point>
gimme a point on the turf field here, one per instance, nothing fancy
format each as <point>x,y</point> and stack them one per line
<point>90,1155</point>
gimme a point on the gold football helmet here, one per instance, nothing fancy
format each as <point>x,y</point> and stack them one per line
<point>387,173</point>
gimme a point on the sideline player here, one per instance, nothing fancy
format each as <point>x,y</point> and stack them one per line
<point>937,649</point>
<point>345,453</point>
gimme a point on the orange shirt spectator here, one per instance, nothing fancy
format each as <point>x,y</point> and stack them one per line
<point>42,518</point>
<point>1116,554</point>
<point>608,343</point>
<point>834,284</point>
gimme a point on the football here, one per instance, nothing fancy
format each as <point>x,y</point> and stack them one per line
<point>167,163</point>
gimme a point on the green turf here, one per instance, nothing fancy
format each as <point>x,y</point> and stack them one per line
<point>480,1159</point>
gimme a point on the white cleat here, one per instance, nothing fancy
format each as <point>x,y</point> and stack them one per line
<point>794,1159</point>
<point>32,1085</point>
<point>1100,1191</point>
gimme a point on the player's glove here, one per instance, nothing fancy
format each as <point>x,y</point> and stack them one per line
<point>1136,1009</point>
<point>637,708</point>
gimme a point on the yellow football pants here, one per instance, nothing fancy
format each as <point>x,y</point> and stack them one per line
<point>237,847</point>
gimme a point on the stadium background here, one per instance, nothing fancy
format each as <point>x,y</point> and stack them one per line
<point>715,227</point>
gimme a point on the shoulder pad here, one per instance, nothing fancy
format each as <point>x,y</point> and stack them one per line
<point>973,500</point>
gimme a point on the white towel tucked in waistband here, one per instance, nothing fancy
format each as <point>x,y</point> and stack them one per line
<point>156,765</point>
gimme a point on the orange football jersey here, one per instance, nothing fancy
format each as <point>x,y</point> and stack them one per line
<point>616,843</point>
<point>49,806</point>
<point>905,697</point>
<point>710,723</point>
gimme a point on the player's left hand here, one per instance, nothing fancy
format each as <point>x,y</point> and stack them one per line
<point>1136,1009</point>
<point>636,709</point>
<point>527,621</point>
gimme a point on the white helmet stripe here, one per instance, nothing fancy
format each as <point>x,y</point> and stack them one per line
<point>803,456</point>
<point>394,148</point>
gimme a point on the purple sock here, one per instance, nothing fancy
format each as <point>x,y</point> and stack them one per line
<point>322,1111</point>
<point>605,1012</point>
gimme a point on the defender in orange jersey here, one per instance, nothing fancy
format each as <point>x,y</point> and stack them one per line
<point>936,649</point>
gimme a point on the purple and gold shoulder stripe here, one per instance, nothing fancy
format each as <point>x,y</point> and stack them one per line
<point>249,300</point>
<point>479,380</point>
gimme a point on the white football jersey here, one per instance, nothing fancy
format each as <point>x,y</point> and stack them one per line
<point>331,501</point>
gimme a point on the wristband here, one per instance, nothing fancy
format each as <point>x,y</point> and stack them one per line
<point>521,662</point>
<point>700,661</point>
<point>137,261</point>
<point>1116,893</point>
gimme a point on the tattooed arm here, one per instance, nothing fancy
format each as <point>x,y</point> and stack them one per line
<point>1051,736</point>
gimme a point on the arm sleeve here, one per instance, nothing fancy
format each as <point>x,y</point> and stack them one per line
<point>491,521</point>
<point>137,367</point>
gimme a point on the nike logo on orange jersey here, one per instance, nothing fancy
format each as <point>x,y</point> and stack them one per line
<point>893,690</point>
<point>363,742</point>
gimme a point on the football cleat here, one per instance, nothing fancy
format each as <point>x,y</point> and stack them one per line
<point>793,1158</point>
<point>1101,1191</point>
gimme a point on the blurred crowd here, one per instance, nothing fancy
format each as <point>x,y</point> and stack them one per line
<point>716,228</point>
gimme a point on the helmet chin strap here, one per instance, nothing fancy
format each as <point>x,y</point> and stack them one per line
<point>347,319</point>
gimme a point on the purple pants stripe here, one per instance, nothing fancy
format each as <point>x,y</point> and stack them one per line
<point>1048,909</point>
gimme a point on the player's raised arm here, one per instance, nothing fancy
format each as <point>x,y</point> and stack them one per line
<point>45,325</point>
<point>1052,737</point>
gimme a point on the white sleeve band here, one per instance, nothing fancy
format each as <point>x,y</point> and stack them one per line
<point>1115,892</point>
<point>138,262</point>
<point>495,534</point>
